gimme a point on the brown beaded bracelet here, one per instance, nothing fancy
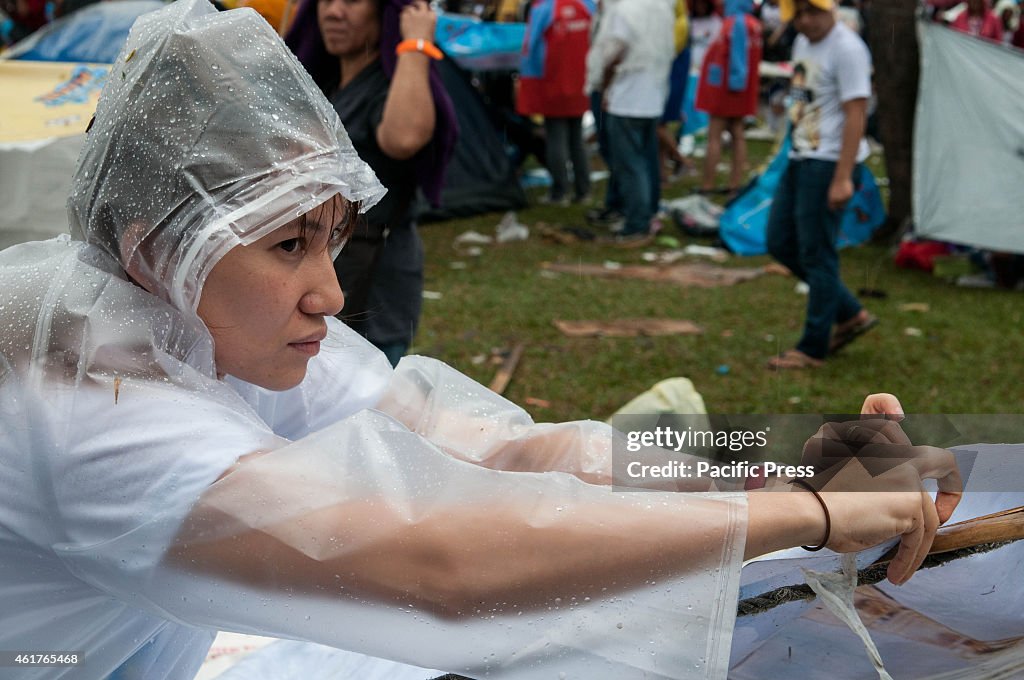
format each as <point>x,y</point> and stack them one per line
<point>828,518</point>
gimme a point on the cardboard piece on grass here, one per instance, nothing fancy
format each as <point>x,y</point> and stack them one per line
<point>697,275</point>
<point>627,328</point>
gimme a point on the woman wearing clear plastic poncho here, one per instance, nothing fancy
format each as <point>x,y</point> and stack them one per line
<point>191,442</point>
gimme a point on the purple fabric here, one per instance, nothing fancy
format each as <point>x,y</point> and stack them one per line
<point>304,39</point>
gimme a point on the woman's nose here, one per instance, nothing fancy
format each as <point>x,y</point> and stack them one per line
<point>324,296</point>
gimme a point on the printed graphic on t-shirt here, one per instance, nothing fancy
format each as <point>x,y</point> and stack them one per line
<point>804,112</point>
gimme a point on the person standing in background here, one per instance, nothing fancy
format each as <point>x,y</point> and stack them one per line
<point>828,114</point>
<point>729,85</point>
<point>551,77</point>
<point>630,58</point>
<point>372,58</point>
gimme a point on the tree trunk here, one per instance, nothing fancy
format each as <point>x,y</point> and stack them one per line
<point>893,41</point>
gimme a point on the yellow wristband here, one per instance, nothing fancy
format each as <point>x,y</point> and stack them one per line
<point>413,45</point>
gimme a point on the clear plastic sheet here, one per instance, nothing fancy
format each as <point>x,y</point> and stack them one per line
<point>149,503</point>
<point>315,539</point>
<point>366,536</point>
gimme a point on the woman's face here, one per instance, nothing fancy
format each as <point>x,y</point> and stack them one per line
<point>265,303</point>
<point>348,27</point>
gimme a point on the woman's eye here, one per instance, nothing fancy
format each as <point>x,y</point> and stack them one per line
<point>337,236</point>
<point>290,246</point>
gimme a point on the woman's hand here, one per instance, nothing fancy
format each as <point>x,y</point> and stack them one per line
<point>868,509</point>
<point>417,21</point>
<point>880,445</point>
<point>870,477</point>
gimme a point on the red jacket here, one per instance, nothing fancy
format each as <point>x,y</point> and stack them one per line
<point>714,94</point>
<point>554,59</point>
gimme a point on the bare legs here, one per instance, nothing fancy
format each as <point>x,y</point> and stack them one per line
<point>716,127</point>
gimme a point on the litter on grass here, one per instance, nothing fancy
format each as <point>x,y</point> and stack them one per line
<point>511,229</point>
<point>472,238</point>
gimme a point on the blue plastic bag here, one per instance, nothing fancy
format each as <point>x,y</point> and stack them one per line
<point>745,220</point>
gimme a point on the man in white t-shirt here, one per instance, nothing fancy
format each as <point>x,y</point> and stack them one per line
<point>829,96</point>
<point>629,62</point>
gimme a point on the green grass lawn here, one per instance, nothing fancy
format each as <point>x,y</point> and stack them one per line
<point>966,358</point>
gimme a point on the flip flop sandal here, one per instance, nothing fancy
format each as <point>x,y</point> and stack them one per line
<point>792,360</point>
<point>842,338</point>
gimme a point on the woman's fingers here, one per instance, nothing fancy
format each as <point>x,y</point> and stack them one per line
<point>904,564</point>
<point>883,404</point>
<point>930,462</point>
<point>945,504</point>
<point>939,464</point>
<point>417,21</point>
<point>915,544</point>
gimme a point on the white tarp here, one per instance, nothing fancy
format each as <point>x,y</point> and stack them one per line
<point>961,620</point>
<point>969,141</point>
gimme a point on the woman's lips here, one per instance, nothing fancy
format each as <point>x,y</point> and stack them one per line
<point>310,345</point>
<point>311,348</point>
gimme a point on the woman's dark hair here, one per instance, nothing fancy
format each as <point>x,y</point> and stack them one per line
<point>346,222</point>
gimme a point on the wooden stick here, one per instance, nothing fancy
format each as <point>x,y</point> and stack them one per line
<point>1005,525</point>
<point>504,374</point>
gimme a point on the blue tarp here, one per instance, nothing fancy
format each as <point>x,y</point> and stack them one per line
<point>92,34</point>
<point>743,224</point>
<point>95,34</point>
<point>477,45</point>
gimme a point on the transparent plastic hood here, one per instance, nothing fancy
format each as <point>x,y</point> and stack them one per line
<point>209,134</point>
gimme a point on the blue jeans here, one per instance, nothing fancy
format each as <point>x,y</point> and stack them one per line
<point>633,156</point>
<point>802,235</point>
<point>612,196</point>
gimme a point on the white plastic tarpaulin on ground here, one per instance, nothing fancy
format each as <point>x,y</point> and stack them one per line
<point>957,621</point>
<point>969,141</point>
